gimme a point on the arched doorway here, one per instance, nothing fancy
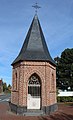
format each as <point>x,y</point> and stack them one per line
<point>34,92</point>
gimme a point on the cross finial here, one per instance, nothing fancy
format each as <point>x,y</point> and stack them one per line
<point>36,6</point>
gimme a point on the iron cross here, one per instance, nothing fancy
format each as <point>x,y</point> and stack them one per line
<point>36,6</point>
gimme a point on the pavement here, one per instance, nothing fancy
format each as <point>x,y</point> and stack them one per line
<point>4,97</point>
<point>65,112</point>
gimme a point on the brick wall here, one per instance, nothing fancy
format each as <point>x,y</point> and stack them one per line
<point>21,75</point>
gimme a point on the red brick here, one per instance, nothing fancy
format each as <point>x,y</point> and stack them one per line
<point>24,70</point>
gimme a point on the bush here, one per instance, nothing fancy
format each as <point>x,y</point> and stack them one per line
<point>65,99</point>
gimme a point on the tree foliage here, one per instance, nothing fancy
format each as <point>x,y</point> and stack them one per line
<point>65,70</point>
<point>4,86</point>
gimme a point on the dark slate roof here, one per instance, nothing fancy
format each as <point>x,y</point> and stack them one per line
<point>34,47</point>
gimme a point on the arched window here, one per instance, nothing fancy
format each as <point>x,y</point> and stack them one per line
<point>52,83</point>
<point>34,86</point>
<point>16,80</point>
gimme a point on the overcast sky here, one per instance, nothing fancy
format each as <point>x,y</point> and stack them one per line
<point>56,19</point>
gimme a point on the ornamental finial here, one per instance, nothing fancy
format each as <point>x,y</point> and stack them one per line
<point>36,6</point>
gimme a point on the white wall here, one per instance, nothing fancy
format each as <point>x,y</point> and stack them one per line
<point>67,93</point>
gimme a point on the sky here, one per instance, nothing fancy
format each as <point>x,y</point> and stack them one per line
<point>56,19</point>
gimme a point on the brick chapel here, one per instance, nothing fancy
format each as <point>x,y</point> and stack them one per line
<point>34,76</point>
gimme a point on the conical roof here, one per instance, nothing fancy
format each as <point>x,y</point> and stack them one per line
<point>34,47</point>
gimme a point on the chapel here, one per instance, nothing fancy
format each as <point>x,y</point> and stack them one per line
<point>34,76</point>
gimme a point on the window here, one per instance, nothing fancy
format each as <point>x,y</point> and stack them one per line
<point>16,80</point>
<point>34,88</point>
<point>52,82</point>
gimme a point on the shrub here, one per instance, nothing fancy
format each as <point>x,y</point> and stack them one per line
<point>65,99</point>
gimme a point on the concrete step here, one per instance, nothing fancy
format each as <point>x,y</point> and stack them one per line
<point>33,113</point>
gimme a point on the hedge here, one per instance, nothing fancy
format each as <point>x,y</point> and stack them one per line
<point>65,99</point>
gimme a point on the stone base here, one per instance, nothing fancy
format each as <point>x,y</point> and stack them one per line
<point>49,109</point>
<point>45,110</point>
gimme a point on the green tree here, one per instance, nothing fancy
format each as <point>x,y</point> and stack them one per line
<point>5,87</point>
<point>9,87</point>
<point>65,70</point>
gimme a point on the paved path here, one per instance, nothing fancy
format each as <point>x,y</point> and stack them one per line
<point>64,113</point>
<point>4,98</point>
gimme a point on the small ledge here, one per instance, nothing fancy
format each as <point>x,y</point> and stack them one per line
<point>14,90</point>
<point>52,91</point>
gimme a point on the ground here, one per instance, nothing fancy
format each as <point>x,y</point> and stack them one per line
<point>65,112</point>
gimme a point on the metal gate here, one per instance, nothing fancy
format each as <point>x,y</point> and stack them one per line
<point>34,92</point>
